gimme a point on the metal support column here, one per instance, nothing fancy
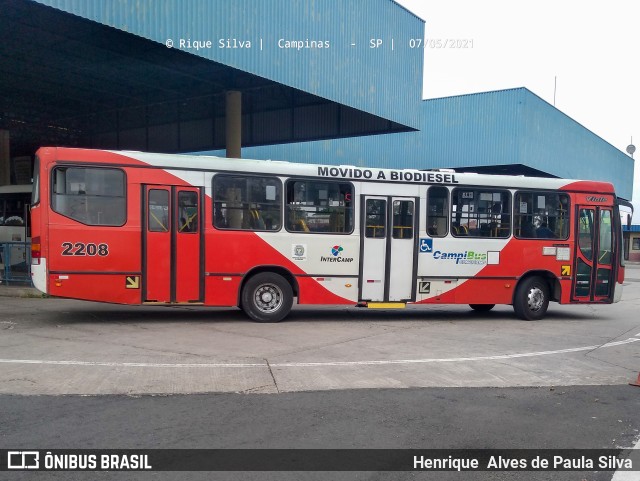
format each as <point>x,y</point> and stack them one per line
<point>234,124</point>
<point>5,158</point>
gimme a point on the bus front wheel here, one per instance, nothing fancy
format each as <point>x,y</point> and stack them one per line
<point>267,297</point>
<point>531,299</point>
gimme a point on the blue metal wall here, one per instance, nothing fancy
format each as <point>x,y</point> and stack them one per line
<point>504,127</point>
<point>562,146</point>
<point>381,81</point>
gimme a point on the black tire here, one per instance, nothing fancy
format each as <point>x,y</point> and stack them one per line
<point>267,297</point>
<point>531,299</point>
<point>482,307</point>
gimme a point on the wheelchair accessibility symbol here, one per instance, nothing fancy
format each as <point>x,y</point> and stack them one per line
<point>426,245</point>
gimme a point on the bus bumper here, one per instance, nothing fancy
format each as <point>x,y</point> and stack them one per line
<point>617,293</point>
<point>39,275</point>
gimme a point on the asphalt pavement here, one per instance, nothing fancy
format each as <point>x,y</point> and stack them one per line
<point>426,418</point>
<point>78,375</point>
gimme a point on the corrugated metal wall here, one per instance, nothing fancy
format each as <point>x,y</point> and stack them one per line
<point>559,144</point>
<point>480,129</point>
<point>505,127</point>
<point>382,81</point>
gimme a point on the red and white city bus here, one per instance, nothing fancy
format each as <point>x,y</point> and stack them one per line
<point>145,228</point>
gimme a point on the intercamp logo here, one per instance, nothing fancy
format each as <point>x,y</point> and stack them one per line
<point>336,253</point>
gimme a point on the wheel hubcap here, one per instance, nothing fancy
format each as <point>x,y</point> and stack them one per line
<point>268,298</point>
<point>535,299</point>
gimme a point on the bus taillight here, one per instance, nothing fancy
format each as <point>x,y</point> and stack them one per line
<point>36,253</point>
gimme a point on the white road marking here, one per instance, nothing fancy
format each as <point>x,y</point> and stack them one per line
<point>126,364</point>
<point>627,475</point>
<point>454,359</point>
<point>317,364</point>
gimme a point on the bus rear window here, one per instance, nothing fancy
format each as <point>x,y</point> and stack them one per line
<point>35,192</point>
<point>93,196</point>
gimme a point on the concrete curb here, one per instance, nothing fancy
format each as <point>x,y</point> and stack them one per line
<point>19,291</point>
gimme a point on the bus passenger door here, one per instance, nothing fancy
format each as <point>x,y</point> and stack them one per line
<point>594,259</point>
<point>374,249</point>
<point>388,260</point>
<point>401,270</point>
<point>172,244</point>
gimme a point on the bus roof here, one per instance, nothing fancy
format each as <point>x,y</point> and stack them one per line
<point>329,172</point>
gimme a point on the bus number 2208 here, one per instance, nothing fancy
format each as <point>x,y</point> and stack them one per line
<point>82,249</point>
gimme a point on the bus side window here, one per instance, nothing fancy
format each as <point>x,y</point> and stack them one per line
<point>481,212</point>
<point>319,206</point>
<point>437,211</point>
<point>541,215</point>
<point>92,196</point>
<point>247,202</point>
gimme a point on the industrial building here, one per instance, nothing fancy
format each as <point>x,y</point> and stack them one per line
<point>324,82</point>
<point>509,132</point>
<point>183,76</point>
<point>632,243</point>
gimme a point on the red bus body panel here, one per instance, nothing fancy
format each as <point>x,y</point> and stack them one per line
<point>209,265</point>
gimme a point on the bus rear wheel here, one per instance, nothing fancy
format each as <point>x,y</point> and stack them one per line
<point>531,299</point>
<point>482,307</point>
<point>267,297</point>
